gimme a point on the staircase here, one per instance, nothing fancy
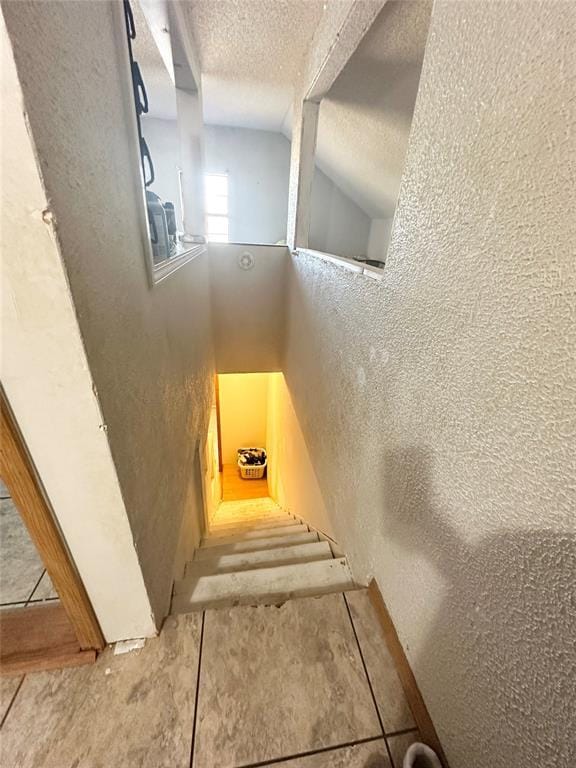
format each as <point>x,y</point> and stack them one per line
<point>255,552</point>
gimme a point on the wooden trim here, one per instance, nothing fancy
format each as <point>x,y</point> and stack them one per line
<point>411,690</point>
<point>218,428</point>
<point>39,638</point>
<point>19,474</point>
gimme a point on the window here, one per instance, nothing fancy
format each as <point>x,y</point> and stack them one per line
<point>216,186</point>
<point>167,174</point>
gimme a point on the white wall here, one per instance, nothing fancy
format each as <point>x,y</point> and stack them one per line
<point>163,142</point>
<point>149,350</point>
<point>379,238</point>
<point>292,480</point>
<point>248,307</point>
<point>257,164</point>
<point>48,382</point>
<point>438,404</point>
<point>337,225</point>
<point>243,412</point>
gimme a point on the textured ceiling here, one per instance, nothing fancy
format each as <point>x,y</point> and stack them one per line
<point>251,53</point>
<point>365,120</point>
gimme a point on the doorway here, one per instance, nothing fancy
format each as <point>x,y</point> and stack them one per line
<point>242,411</point>
<point>46,619</point>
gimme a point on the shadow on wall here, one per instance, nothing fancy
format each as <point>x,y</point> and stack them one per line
<point>514,594</point>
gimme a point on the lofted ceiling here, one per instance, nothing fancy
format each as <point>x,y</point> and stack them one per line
<point>251,53</point>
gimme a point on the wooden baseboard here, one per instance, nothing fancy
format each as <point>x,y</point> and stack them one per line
<point>39,638</point>
<point>411,690</point>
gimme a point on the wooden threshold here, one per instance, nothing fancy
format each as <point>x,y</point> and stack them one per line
<point>409,684</point>
<point>19,474</point>
<point>39,638</point>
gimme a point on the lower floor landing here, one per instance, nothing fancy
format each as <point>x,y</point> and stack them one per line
<point>234,488</point>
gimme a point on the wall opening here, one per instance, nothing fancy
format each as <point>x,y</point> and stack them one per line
<point>363,129</point>
<point>243,419</point>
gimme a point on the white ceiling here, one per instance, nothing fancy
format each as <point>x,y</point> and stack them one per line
<point>251,53</point>
<point>365,120</point>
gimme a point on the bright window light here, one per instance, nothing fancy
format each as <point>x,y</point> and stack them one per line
<point>216,187</point>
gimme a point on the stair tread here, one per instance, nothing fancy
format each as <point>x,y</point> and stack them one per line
<point>251,545</point>
<point>264,585</point>
<point>299,553</point>
<point>212,541</point>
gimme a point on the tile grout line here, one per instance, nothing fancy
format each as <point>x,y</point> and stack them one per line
<point>197,695</point>
<point>368,680</point>
<point>403,732</point>
<point>31,595</point>
<point>12,700</point>
<point>309,753</point>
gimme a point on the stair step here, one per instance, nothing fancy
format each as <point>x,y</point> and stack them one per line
<point>245,561</point>
<point>213,541</point>
<point>231,516</point>
<point>264,585</point>
<point>251,545</point>
<point>252,525</point>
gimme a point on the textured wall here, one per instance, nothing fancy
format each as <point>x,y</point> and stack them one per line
<point>291,478</point>
<point>46,378</point>
<point>439,404</point>
<point>148,349</point>
<point>248,307</point>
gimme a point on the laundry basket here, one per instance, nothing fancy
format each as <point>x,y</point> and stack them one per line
<point>252,471</point>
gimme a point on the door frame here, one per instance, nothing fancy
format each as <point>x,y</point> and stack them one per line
<point>19,474</point>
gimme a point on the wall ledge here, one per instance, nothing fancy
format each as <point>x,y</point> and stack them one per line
<point>349,264</point>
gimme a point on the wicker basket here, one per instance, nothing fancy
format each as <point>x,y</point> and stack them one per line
<point>252,471</point>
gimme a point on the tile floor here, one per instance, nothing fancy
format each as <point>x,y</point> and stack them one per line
<point>23,579</point>
<point>301,685</point>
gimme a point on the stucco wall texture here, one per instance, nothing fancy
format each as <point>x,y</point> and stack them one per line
<point>149,350</point>
<point>439,405</point>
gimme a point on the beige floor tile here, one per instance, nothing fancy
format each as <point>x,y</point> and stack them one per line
<point>278,681</point>
<point>399,744</point>
<point>126,711</point>
<point>370,755</point>
<point>8,687</point>
<point>21,564</point>
<point>388,691</point>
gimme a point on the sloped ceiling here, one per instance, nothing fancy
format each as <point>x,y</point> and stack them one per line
<point>251,53</point>
<point>365,120</point>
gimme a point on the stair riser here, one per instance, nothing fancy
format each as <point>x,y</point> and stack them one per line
<point>267,585</point>
<point>255,545</point>
<point>286,530</point>
<point>230,529</point>
<point>303,553</point>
